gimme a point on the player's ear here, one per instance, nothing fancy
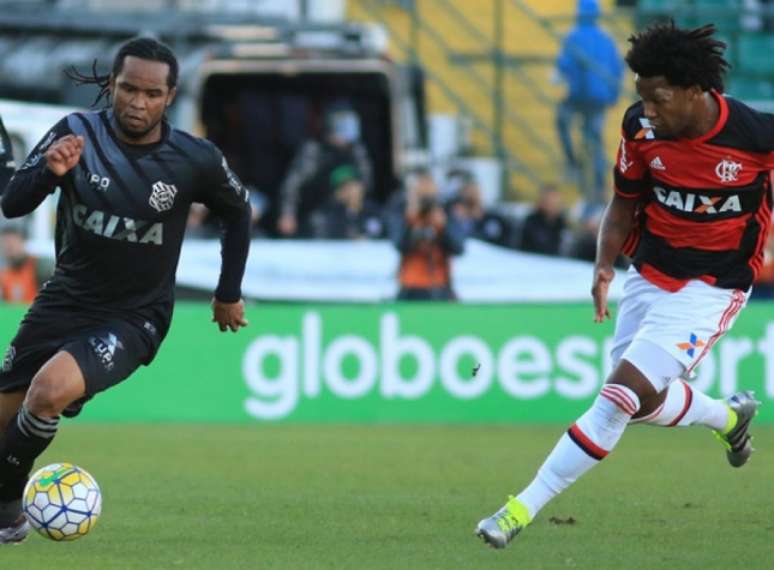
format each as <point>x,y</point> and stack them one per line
<point>171,96</point>
<point>695,92</point>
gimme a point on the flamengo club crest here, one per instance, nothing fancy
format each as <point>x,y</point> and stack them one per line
<point>162,197</point>
<point>728,170</point>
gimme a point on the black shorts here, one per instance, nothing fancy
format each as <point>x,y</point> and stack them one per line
<point>107,348</point>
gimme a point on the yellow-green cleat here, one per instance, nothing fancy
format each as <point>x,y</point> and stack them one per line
<point>499,529</point>
<point>736,439</point>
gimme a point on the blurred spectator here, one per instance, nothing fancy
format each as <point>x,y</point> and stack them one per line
<point>21,274</point>
<point>308,185</point>
<point>198,224</point>
<point>544,227</point>
<point>349,215</point>
<point>259,203</point>
<point>476,222</point>
<point>426,238</point>
<point>591,66</point>
<point>582,242</point>
<point>202,225</point>
<point>764,284</point>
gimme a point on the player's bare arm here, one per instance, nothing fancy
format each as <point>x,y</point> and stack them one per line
<point>617,223</point>
<point>229,316</point>
<point>64,154</point>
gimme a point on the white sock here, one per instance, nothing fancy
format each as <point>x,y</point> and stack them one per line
<point>685,406</point>
<point>584,445</point>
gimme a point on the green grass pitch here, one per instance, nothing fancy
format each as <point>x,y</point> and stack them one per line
<point>291,497</point>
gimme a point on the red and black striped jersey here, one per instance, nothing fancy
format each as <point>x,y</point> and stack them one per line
<point>705,203</point>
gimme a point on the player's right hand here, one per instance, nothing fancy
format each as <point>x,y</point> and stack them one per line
<point>64,154</point>
<point>603,276</point>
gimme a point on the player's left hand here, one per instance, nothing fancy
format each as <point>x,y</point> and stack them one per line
<point>229,315</point>
<point>603,276</point>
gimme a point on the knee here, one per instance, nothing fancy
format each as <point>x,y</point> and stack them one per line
<point>50,393</point>
<point>628,375</point>
<point>622,397</point>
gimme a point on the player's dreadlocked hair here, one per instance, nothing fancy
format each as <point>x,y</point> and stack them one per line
<point>684,57</point>
<point>143,48</point>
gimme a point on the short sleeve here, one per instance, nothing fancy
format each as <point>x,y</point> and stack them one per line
<point>630,173</point>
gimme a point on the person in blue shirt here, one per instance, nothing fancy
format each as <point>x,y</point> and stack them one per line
<point>590,65</point>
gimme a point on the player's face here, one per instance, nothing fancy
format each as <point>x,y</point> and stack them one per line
<point>668,108</point>
<point>140,97</point>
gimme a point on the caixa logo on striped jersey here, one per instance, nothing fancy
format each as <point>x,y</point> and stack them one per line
<point>698,203</point>
<point>162,197</point>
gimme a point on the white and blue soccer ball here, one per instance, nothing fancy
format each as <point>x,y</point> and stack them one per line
<point>62,501</point>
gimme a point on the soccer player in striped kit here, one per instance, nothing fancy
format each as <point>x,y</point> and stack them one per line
<point>127,180</point>
<point>692,206</point>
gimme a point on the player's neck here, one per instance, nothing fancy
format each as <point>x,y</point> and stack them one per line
<point>151,137</point>
<point>707,117</point>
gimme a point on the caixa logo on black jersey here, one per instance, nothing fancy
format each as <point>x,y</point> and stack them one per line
<point>105,349</point>
<point>117,227</point>
<point>698,203</point>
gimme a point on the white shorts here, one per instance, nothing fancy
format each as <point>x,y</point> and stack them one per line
<point>684,325</point>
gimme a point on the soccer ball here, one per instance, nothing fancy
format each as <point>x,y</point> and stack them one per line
<point>62,501</point>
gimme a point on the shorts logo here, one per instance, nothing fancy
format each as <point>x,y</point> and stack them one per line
<point>148,326</point>
<point>10,354</point>
<point>691,346</point>
<point>105,349</point>
<point>163,196</point>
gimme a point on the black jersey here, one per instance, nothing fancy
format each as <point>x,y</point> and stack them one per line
<point>122,214</point>
<point>6,157</point>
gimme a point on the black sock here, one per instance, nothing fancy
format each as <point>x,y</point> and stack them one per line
<point>10,513</point>
<point>25,438</point>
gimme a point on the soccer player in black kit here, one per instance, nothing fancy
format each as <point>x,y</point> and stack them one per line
<point>127,179</point>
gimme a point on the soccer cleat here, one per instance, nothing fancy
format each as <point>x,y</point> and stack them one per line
<point>737,440</point>
<point>499,529</point>
<point>15,533</point>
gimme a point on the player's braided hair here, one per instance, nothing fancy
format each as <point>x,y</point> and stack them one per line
<point>684,57</point>
<point>143,48</point>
